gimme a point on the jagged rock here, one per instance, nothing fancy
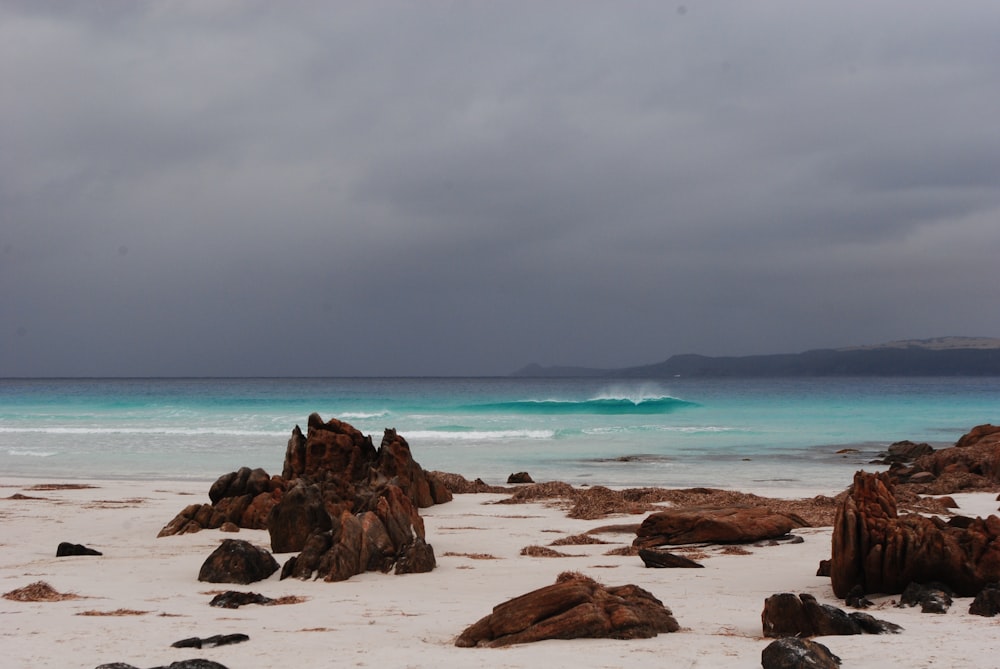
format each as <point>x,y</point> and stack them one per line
<point>66,549</point>
<point>237,561</point>
<point>301,512</point>
<point>987,601</point>
<point>788,615</point>
<point>704,525</point>
<point>211,642</point>
<point>396,463</point>
<point>653,557</point>
<point>932,598</point>
<point>793,653</point>
<point>575,606</point>
<point>903,452</point>
<point>390,533</point>
<point>520,477</point>
<point>231,599</point>
<point>253,496</point>
<point>880,551</point>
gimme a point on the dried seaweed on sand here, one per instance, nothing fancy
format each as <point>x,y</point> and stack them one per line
<point>542,551</point>
<point>578,540</point>
<point>39,591</point>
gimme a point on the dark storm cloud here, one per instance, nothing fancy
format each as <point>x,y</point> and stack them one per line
<point>402,188</point>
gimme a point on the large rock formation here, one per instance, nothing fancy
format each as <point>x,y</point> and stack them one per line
<point>972,463</point>
<point>674,527</point>
<point>237,561</point>
<point>878,550</point>
<point>347,506</point>
<point>575,606</point>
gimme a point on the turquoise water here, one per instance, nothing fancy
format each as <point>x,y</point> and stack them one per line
<point>682,432</point>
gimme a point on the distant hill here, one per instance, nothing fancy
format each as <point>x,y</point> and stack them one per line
<point>941,356</point>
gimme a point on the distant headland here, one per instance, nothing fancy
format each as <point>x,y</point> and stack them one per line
<point>940,356</point>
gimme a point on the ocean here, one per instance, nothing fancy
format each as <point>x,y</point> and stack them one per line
<point>734,433</point>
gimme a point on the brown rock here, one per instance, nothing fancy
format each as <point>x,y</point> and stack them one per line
<point>706,525</point>
<point>300,513</point>
<point>882,552</point>
<point>575,606</point>
<point>787,615</point>
<point>520,477</point>
<point>661,559</point>
<point>237,561</point>
<point>793,653</point>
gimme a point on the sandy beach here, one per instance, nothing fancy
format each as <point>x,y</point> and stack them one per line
<point>142,594</point>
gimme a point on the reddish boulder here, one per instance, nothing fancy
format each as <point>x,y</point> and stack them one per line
<point>882,552</point>
<point>575,606</point>
<point>704,525</point>
<point>786,614</point>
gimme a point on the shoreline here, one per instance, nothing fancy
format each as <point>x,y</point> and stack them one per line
<point>383,620</point>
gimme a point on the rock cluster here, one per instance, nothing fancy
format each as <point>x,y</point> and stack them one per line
<point>794,653</point>
<point>575,606</point>
<point>345,505</point>
<point>972,463</point>
<point>788,615</point>
<point>882,552</point>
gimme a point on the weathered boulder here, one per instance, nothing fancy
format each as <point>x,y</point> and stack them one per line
<point>987,601</point>
<point>237,561</point>
<point>233,599</point>
<point>713,525</point>
<point>794,653</point>
<point>661,559</point>
<point>883,552</point>
<point>788,615</point>
<point>211,641</point>
<point>66,549</point>
<point>520,477</point>
<point>575,606</point>
<point>243,498</point>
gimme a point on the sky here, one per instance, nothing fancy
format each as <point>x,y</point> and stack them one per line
<point>222,188</point>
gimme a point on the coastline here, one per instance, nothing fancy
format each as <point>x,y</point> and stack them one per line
<point>383,620</point>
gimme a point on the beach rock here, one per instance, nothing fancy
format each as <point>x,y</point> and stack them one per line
<point>713,525</point>
<point>390,533</point>
<point>653,557</point>
<point>794,653</point>
<point>237,561</point>
<point>575,606</point>
<point>520,477</point>
<point>905,452</point>
<point>932,598</point>
<point>197,663</point>
<point>395,462</point>
<point>972,463</point>
<point>66,549</point>
<point>856,598</point>
<point>880,551</point>
<point>211,642</point>
<point>786,614</point>
<point>301,512</point>
<point>232,599</point>
<point>987,601</point>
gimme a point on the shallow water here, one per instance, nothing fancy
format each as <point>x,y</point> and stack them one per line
<point>681,432</point>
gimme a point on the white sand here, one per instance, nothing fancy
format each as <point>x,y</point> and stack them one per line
<point>379,620</point>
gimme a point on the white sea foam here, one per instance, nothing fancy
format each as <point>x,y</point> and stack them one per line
<point>31,454</point>
<point>142,430</point>
<point>477,435</point>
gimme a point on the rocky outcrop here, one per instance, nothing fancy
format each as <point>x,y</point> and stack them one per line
<point>972,463</point>
<point>389,533</point>
<point>575,606</point>
<point>243,498</point>
<point>882,552</point>
<point>794,653</point>
<point>345,505</point>
<point>237,561</point>
<point>706,525</point>
<point>787,615</point>
<point>661,559</point>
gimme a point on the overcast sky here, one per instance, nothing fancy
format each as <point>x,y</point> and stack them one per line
<point>460,188</point>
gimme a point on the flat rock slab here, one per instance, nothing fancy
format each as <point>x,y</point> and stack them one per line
<point>661,559</point>
<point>729,525</point>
